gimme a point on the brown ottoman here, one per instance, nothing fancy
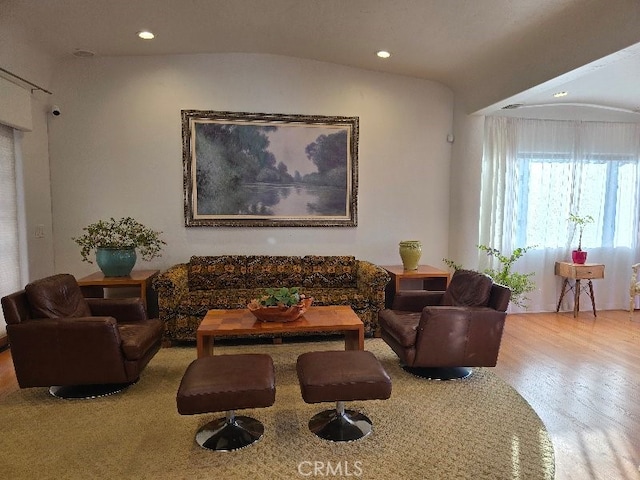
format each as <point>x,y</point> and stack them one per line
<point>226,383</point>
<point>338,377</point>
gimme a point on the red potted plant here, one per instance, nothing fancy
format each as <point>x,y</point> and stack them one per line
<point>578,255</point>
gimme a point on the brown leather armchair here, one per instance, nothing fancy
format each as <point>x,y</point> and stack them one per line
<point>80,347</point>
<point>439,335</point>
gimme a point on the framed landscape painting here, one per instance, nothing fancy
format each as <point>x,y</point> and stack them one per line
<point>269,170</point>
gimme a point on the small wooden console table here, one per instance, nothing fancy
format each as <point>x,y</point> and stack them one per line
<point>577,272</point>
<point>432,279</point>
<point>94,285</point>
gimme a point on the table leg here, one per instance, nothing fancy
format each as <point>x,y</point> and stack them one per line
<point>354,339</point>
<point>593,299</point>
<point>205,346</point>
<point>576,298</point>
<point>143,296</point>
<point>390,290</point>
<point>564,286</point>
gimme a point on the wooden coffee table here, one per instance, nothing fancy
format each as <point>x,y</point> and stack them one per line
<point>334,318</point>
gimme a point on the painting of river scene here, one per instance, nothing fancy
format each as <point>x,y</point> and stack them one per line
<point>245,169</point>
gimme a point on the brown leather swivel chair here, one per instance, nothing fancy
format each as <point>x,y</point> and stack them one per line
<point>79,347</point>
<point>439,335</point>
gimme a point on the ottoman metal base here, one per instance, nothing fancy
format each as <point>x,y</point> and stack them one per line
<point>340,425</point>
<point>87,391</point>
<point>439,373</point>
<point>230,433</point>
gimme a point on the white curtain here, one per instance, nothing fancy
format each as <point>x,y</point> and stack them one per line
<point>535,173</point>
<point>9,247</point>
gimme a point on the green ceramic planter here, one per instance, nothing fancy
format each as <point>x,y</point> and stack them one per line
<point>116,262</point>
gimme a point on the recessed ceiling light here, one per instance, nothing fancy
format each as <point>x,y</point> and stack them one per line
<point>80,53</point>
<point>560,94</point>
<point>146,35</point>
<point>383,54</point>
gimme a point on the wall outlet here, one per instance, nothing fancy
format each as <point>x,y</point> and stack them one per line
<point>39,233</point>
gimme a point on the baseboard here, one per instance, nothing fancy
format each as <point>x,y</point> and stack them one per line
<point>4,342</point>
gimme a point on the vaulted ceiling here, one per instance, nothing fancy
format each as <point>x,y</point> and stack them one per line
<point>489,52</point>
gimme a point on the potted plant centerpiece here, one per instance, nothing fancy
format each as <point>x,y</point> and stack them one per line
<point>115,243</point>
<point>280,305</point>
<point>578,255</point>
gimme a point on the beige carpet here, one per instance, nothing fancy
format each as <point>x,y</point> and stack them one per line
<point>478,428</point>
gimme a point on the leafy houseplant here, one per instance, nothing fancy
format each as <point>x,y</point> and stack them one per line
<point>578,255</point>
<point>281,296</point>
<point>519,283</point>
<point>123,234</point>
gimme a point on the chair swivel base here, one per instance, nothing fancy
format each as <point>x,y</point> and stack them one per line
<point>439,373</point>
<point>230,433</point>
<point>88,391</point>
<point>340,425</point>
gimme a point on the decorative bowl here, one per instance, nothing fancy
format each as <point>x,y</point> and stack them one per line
<point>279,313</point>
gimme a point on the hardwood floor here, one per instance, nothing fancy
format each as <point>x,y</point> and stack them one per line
<point>581,375</point>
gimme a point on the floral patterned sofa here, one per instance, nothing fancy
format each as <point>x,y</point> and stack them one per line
<point>187,290</point>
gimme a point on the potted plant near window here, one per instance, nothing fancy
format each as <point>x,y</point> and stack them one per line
<point>578,255</point>
<point>115,243</point>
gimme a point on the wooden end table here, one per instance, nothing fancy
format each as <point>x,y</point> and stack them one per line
<point>334,318</point>
<point>432,279</point>
<point>577,272</point>
<point>94,285</point>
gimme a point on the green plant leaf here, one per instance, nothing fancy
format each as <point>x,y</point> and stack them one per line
<point>281,296</point>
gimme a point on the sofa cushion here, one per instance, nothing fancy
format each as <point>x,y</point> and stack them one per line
<point>329,271</point>
<point>58,296</point>
<point>217,272</point>
<point>198,302</point>
<point>264,271</point>
<point>338,296</point>
<point>468,289</point>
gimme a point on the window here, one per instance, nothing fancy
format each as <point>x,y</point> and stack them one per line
<point>536,172</point>
<point>9,246</point>
<point>607,191</point>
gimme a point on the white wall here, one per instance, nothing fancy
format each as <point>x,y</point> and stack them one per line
<point>116,151</point>
<point>466,171</point>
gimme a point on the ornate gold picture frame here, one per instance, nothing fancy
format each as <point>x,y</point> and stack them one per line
<point>269,170</point>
